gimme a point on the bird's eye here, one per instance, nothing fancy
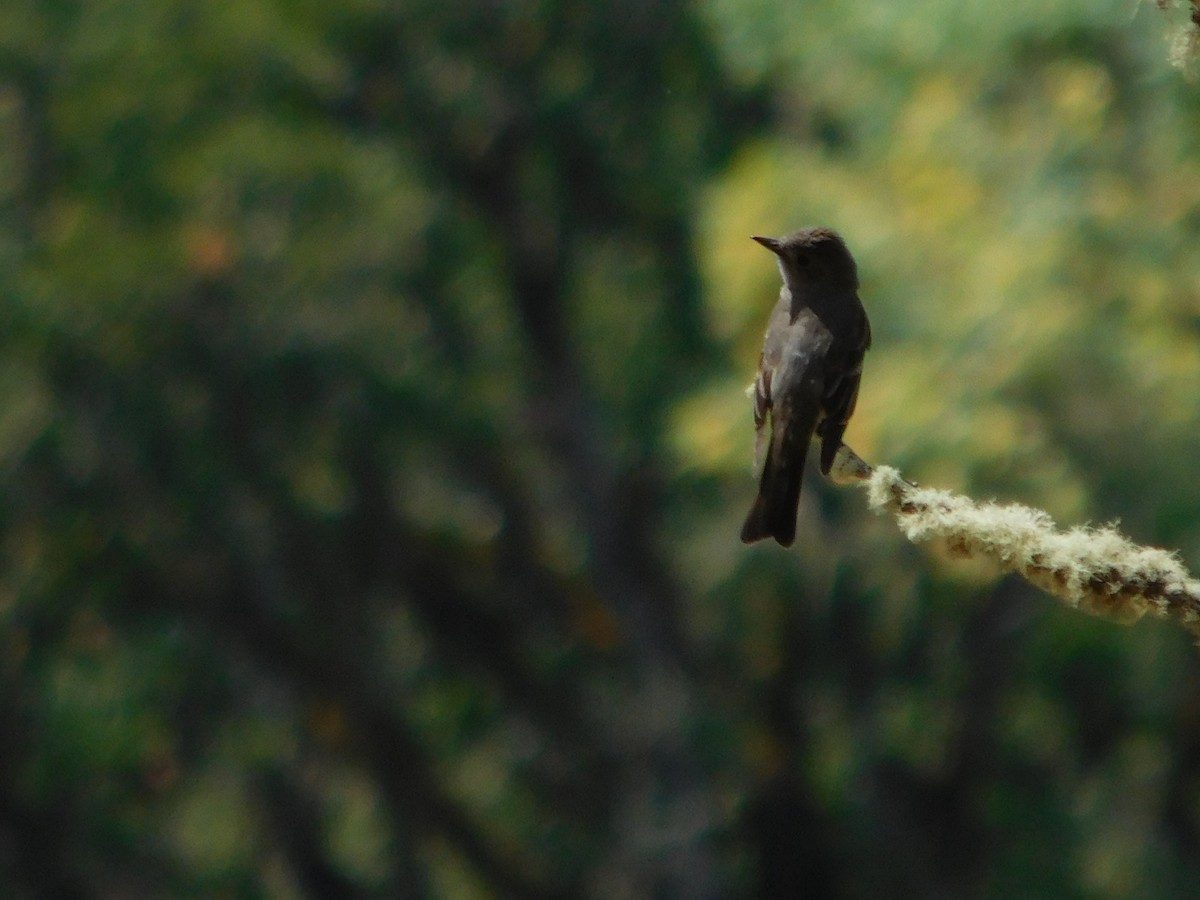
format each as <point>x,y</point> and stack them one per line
<point>802,260</point>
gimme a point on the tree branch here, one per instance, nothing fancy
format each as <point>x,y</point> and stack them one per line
<point>1097,570</point>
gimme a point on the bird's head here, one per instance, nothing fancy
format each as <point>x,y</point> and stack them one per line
<point>813,256</point>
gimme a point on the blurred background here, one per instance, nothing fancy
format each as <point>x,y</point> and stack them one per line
<point>373,449</point>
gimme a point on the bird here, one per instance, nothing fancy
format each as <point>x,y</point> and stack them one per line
<point>808,372</point>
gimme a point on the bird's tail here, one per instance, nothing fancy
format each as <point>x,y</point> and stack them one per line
<point>774,512</point>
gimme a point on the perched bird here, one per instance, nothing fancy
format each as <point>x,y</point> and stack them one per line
<point>808,372</point>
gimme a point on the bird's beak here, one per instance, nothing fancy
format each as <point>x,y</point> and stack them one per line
<point>770,243</point>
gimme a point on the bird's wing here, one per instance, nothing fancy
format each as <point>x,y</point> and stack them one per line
<point>762,395</point>
<point>761,391</point>
<point>841,396</point>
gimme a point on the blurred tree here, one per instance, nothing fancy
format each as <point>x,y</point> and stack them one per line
<point>339,350</point>
<point>372,450</point>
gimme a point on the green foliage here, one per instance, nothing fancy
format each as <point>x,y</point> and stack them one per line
<point>373,445</point>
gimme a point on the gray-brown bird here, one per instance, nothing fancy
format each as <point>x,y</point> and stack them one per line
<point>808,372</point>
